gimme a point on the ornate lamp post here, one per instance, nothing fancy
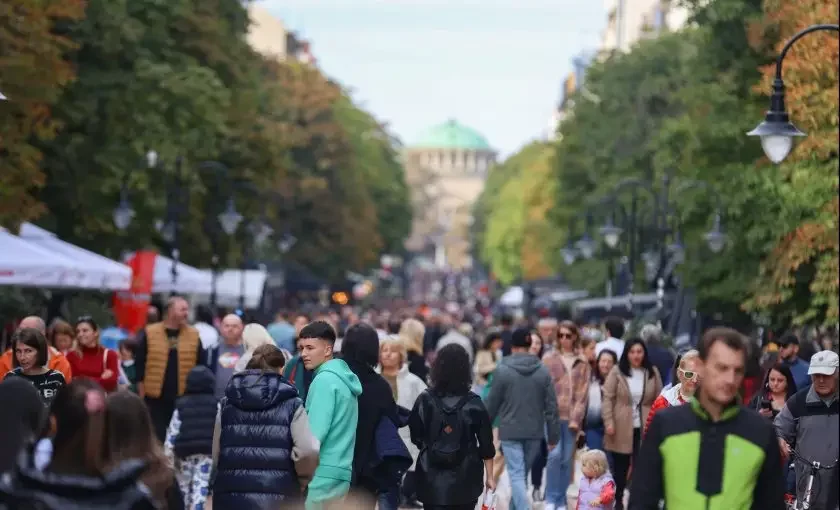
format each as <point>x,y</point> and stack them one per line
<point>777,131</point>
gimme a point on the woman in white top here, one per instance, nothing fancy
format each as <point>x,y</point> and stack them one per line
<point>406,387</point>
<point>254,335</point>
<point>629,392</point>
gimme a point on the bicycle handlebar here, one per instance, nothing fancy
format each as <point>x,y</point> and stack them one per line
<point>815,465</point>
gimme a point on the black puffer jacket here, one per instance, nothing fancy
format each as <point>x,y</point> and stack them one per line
<point>256,470</point>
<point>30,489</point>
<point>197,411</point>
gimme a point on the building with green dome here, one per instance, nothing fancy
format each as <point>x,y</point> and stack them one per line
<point>446,168</point>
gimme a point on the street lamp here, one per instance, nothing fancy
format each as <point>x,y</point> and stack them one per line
<point>611,233</point>
<point>568,253</point>
<point>586,245</point>
<point>286,242</point>
<point>123,214</point>
<point>776,131</point>
<point>230,218</point>
<point>715,238</point>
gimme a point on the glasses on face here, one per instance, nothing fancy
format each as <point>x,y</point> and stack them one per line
<point>688,374</point>
<point>564,334</point>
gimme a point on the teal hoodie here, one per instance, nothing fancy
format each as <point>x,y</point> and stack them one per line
<point>333,409</point>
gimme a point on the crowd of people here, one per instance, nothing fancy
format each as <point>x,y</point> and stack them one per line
<point>338,411</point>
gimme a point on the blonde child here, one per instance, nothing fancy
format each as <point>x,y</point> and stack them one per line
<point>596,489</point>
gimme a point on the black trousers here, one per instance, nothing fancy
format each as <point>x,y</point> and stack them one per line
<point>621,467</point>
<point>539,466</point>
<point>450,507</point>
<point>160,411</point>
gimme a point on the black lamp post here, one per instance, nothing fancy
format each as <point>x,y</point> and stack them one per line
<point>777,131</point>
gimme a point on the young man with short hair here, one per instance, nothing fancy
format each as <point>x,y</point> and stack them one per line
<point>712,453</point>
<point>333,409</point>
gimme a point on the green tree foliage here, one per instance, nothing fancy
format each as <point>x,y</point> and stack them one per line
<point>680,104</point>
<point>179,77</point>
<point>33,71</point>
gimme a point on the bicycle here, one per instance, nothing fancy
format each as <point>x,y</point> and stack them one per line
<point>814,468</point>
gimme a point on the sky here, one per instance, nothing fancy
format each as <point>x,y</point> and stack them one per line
<point>494,65</point>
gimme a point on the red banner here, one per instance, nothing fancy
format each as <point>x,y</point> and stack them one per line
<point>131,306</point>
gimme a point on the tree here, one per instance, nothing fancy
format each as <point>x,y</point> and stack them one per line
<point>33,70</point>
<point>799,278</point>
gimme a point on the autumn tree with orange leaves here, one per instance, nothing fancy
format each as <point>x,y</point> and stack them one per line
<point>33,70</point>
<point>799,278</point>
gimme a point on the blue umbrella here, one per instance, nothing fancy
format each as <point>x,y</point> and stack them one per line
<point>112,336</point>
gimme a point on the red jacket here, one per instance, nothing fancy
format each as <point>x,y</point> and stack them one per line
<point>668,398</point>
<point>92,363</point>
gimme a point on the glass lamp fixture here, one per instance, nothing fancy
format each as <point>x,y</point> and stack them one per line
<point>166,230</point>
<point>261,231</point>
<point>285,243</point>
<point>569,254</point>
<point>123,214</point>
<point>611,233</point>
<point>716,238</point>
<point>151,159</point>
<point>586,246</point>
<point>230,219</point>
<point>776,131</point>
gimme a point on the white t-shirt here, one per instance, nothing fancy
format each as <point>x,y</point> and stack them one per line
<point>613,344</point>
<point>636,381</point>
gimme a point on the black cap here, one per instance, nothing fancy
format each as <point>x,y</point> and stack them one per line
<point>787,339</point>
<point>521,337</point>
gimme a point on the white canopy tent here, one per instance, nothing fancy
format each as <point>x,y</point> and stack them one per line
<point>190,280</point>
<point>229,286</point>
<point>29,265</point>
<point>99,272</point>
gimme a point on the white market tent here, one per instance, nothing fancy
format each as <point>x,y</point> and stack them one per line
<point>99,272</point>
<point>190,280</point>
<point>229,285</point>
<point>28,265</point>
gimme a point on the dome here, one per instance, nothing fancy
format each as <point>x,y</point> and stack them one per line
<point>452,135</point>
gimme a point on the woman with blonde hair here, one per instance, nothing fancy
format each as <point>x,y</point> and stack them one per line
<point>411,333</point>
<point>393,357</point>
<point>253,336</point>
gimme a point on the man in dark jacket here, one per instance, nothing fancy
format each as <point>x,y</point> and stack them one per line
<point>522,397</point>
<point>711,454</point>
<point>360,350</point>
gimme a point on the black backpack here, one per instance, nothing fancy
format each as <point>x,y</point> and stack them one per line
<point>448,442</point>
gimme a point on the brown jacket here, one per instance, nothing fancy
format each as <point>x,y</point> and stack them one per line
<point>617,408</point>
<point>157,357</point>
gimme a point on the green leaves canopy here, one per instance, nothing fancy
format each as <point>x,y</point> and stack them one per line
<point>178,77</point>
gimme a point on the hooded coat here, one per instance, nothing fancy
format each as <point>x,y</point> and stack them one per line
<point>333,408</point>
<point>255,467</point>
<point>523,400</point>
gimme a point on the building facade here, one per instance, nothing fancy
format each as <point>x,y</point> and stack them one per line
<point>446,169</point>
<point>269,36</point>
<point>629,21</point>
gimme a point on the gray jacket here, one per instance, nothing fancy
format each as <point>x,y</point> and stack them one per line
<point>522,398</point>
<point>812,426</point>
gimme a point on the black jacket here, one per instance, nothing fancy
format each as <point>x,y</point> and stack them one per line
<point>255,469</point>
<point>463,485</point>
<point>375,402</point>
<point>29,489</point>
<point>417,366</point>
<point>197,411</point>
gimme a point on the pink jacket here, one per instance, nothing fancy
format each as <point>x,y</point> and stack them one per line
<point>572,389</point>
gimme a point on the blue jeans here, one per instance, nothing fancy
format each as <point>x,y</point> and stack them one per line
<point>389,500</point>
<point>519,457</point>
<point>559,468</point>
<point>595,438</point>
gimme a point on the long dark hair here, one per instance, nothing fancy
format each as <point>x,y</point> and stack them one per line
<point>537,334</point>
<point>785,371</point>
<point>130,435</point>
<point>624,362</point>
<point>451,372</point>
<point>78,446</point>
<point>21,421</point>
<point>361,344</point>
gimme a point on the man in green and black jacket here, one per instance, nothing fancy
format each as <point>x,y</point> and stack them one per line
<point>712,454</point>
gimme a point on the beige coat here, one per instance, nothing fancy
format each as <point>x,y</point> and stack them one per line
<point>617,408</point>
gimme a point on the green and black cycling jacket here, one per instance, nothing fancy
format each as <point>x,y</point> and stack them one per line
<point>695,463</point>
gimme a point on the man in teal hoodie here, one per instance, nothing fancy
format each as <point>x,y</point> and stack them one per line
<point>333,409</point>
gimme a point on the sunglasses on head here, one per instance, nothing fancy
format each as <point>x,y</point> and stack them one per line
<point>84,318</point>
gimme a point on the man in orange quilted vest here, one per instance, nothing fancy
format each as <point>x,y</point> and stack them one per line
<point>166,352</point>
<point>55,361</point>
